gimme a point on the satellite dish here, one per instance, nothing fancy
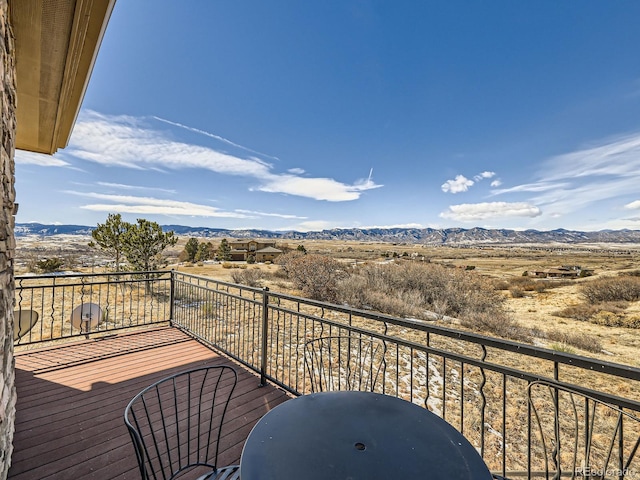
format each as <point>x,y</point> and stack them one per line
<point>23,322</point>
<point>86,316</point>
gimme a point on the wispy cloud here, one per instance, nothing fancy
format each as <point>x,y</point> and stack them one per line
<point>31,158</point>
<point>213,135</point>
<point>395,225</point>
<point>541,186</point>
<point>265,214</point>
<point>585,177</point>
<point>135,187</point>
<point>152,206</point>
<point>313,226</point>
<point>473,212</point>
<point>125,141</point>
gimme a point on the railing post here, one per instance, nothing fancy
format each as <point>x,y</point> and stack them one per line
<point>265,328</point>
<point>171,297</point>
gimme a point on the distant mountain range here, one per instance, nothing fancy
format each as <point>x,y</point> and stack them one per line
<point>431,236</point>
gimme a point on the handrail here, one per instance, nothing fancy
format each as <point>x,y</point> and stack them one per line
<point>476,382</point>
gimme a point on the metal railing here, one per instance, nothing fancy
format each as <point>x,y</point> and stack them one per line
<point>52,307</point>
<point>477,383</point>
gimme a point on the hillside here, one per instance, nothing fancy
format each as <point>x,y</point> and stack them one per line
<point>428,236</point>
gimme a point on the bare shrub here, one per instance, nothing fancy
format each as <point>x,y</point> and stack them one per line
<point>497,324</point>
<point>516,292</point>
<point>251,277</point>
<point>316,275</point>
<point>287,260</point>
<point>558,283</point>
<point>615,319</point>
<point>355,290</point>
<point>611,289</point>
<point>540,287</point>
<point>609,314</point>
<point>500,284</point>
<point>523,283</point>
<point>413,289</point>
<point>582,312</point>
<point>632,273</point>
<point>582,341</point>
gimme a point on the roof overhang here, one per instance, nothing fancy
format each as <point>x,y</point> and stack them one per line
<point>56,44</point>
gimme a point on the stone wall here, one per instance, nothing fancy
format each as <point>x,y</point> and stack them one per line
<point>7,240</point>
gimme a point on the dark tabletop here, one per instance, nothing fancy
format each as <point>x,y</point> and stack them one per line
<point>358,436</point>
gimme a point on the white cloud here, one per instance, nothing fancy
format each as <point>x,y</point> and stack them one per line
<point>152,206</point>
<point>30,158</point>
<point>587,176</point>
<point>264,214</point>
<point>459,184</point>
<point>124,141</point>
<point>496,183</point>
<point>134,187</point>
<point>316,188</point>
<point>398,225</point>
<point>633,205</point>
<point>541,186</point>
<point>472,212</point>
<point>296,171</point>
<point>313,226</point>
<point>462,183</point>
<point>483,175</point>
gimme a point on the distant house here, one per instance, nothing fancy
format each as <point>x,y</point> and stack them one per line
<point>564,271</point>
<point>262,251</point>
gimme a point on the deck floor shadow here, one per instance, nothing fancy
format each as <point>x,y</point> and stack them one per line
<point>71,401</point>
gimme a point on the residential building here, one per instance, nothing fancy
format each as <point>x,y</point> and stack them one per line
<point>260,250</point>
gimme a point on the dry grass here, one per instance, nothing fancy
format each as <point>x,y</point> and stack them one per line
<point>539,308</point>
<point>535,311</point>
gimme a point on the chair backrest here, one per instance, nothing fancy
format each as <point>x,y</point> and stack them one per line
<point>175,424</point>
<point>23,322</point>
<point>345,363</point>
<point>576,435</point>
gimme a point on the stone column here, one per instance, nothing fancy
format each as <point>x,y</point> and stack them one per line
<point>7,240</point>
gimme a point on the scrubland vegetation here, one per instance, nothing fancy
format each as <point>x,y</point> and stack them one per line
<point>606,301</point>
<point>482,289</point>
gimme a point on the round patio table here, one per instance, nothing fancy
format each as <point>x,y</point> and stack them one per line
<point>357,436</point>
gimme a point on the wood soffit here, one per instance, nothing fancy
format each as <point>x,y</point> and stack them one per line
<point>56,44</point>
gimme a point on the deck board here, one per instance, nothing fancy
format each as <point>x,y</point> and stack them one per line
<point>71,401</point>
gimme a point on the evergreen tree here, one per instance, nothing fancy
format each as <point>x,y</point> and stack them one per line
<point>144,243</point>
<point>224,250</point>
<point>109,237</point>
<point>191,249</point>
<point>202,253</point>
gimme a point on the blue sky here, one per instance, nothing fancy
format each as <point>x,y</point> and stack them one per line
<point>286,115</point>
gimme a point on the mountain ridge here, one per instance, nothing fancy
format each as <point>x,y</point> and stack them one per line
<point>431,236</point>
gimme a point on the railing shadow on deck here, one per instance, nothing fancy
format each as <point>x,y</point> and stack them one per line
<point>477,383</point>
<point>72,397</point>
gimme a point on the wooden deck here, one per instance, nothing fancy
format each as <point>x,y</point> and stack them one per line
<point>71,401</point>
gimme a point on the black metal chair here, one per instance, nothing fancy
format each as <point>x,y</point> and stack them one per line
<point>176,423</point>
<point>345,363</point>
<point>576,435</point>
